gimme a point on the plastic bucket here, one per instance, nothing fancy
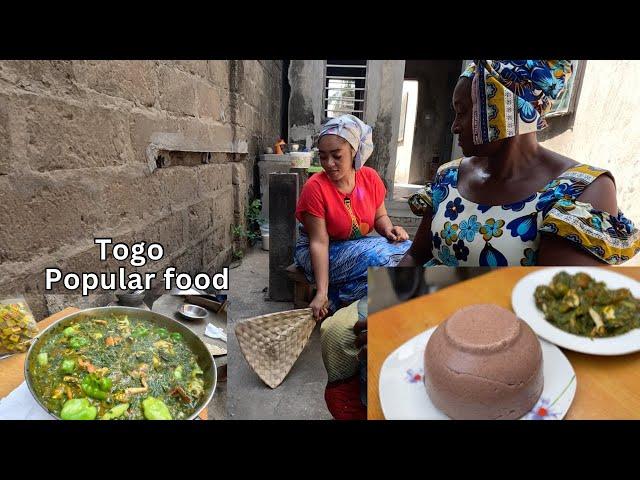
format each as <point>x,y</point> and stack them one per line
<point>264,230</point>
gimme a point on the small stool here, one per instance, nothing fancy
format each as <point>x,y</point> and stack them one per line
<point>303,291</point>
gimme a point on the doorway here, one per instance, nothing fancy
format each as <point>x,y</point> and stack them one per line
<point>406,132</point>
<point>425,140</point>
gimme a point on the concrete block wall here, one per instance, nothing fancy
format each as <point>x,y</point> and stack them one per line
<point>74,161</point>
<point>258,99</point>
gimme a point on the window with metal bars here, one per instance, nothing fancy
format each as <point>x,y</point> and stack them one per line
<point>345,88</point>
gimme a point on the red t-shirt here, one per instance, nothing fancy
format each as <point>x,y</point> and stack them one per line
<point>346,216</point>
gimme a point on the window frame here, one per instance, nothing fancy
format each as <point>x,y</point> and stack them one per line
<point>574,88</point>
<point>359,104</point>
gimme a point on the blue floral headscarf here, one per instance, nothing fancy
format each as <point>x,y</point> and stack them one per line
<point>511,97</point>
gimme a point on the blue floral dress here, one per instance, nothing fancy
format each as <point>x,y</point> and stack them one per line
<point>465,233</point>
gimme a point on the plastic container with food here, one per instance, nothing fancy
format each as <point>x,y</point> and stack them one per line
<point>300,159</point>
<point>17,326</point>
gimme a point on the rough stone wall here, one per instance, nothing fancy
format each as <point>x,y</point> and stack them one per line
<point>258,84</point>
<point>75,161</point>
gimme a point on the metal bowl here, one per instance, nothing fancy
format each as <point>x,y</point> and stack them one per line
<point>192,312</point>
<point>131,298</point>
<point>197,346</point>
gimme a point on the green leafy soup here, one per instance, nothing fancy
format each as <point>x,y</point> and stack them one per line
<point>116,368</point>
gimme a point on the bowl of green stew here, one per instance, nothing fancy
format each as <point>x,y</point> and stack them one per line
<point>120,363</point>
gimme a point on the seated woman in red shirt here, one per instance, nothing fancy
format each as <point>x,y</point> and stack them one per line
<point>338,208</point>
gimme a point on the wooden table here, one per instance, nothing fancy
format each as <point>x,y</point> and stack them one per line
<point>607,387</point>
<point>12,368</point>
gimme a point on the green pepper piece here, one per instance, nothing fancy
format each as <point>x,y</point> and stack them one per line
<point>105,384</point>
<point>68,365</point>
<point>78,342</point>
<point>196,370</point>
<point>175,336</point>
<point>78,409</point>
<point>95,387</point>
<point>69,332</point>
<point>155,409</point>
<point>43,359</point>
<point>162,333</point>
<point>140,332</point>
<point>177,373</point>
<point>116,412</point>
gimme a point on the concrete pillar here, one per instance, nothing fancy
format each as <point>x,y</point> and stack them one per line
<point>303,176</point>
<point>283,196</point>
<point>267,165</point>
<point>382,113</point>
<point>306,100</point>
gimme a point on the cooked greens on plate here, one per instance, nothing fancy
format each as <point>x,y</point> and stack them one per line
<point>581,305</point>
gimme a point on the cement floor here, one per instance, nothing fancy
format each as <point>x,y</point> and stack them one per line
<point>301,395</point>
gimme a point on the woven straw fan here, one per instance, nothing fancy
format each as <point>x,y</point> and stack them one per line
<point>272,343</point>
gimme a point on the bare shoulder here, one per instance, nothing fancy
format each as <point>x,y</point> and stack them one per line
<point>601,193</point>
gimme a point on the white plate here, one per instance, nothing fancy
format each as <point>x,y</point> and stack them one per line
<point>524,306</point>
<point>403,395</point>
